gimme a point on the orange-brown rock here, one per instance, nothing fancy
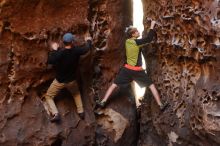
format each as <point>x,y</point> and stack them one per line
<point>184,63</point>
<point>26,28</point>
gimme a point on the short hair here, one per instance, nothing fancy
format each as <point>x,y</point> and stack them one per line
<point>130,30</point>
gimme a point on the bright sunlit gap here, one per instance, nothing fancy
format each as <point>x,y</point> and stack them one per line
<point>138,23</point>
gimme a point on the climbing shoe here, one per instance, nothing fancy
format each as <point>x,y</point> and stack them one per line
<point>82,115</point>
<point>101,104</point>
<point>164,106</point>
<point>55,118</point>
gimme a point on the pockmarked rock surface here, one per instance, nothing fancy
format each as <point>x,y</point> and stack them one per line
<point>184,64</point>
<point>26,29</point>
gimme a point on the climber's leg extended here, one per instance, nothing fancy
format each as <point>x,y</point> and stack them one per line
<point>52,91</point>
<point>107,95</point>
<point>74,89</point>
<point>144,80</point>
<point>122,78</point>
<point>155,94</point>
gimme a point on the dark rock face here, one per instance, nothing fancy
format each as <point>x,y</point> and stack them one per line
<point>26,28</point>
<point>184,63</point>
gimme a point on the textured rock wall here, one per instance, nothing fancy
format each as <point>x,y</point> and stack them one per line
<point>118,121</point>
<point>184,64</point>
<point>26,28</point>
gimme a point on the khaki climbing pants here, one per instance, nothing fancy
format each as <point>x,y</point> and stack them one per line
<point>53,90</point>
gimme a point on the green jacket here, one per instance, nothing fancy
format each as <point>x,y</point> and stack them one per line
<point>133,48</point>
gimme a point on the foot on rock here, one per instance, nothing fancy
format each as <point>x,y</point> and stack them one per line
<point>55,118</point>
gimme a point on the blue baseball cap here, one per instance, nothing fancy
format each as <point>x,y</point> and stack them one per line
<point>68,37</point>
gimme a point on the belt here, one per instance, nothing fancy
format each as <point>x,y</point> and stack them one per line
<point>136,68</point>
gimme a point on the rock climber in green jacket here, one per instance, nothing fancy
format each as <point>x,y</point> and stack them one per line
<point>133,70</point>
